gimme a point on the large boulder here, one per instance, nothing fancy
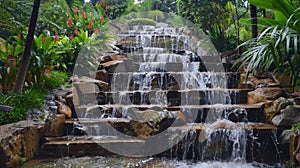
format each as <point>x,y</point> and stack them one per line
<point>150,122</point>
<point>20,140</point>
<point>263,94</point>
<point>274,107</point>
<point>288,116</point>
<point>55,126</point>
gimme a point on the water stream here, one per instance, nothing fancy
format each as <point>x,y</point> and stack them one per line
<point>165,72</point>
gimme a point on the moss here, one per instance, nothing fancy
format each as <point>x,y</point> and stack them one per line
<point>141,21</point>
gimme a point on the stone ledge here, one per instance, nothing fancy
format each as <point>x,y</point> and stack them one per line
<point>20,140</point>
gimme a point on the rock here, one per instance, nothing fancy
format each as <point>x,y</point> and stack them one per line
<point>150,122</point>
<point>6,108</point>
<point>263,94</point>
<point>286,136</point>
<point>258,82</point>
<point>3,157</point>
<point>49,97</point>
<point>180,119</point>
<point>53,109</point>
<point>20,140</point>
<point>246,85</point>
<point>273,107</point>
<point>111,63</point>
<point>102,75</point>
<point>297,100</point>
<point>161,24</point>
<point>238,115</point>
<point>64,109</point>
<point>86,87</point>
<point>76,100</point>
<point>69,100</point>
<point>50,103</point>
<point>287,117</point>
<point>61,93</point>
<point>55,126</point>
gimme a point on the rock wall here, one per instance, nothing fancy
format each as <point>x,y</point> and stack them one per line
<point>20,142</point>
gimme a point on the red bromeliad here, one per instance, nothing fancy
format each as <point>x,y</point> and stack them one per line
<point>96,30</point>
<point>70,22</point>
<point>90,25</point>
<point>76,32</point>
<point>83,14</point>
<point>102,19</point>
<point>75,10</point>
<point>71,37</point>
<point>56,38</point>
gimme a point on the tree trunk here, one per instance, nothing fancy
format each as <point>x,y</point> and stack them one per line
<point>27,51</point>
<point>253,13</point>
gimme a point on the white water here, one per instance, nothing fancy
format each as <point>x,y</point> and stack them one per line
<point>103,162</point>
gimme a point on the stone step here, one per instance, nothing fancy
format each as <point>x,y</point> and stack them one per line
<point>93,126</point>
<point>193,141</point>
<point>193,113</point>
<point>85,145</point>
<point>172,57</point>
<point>167,97</point>
<point>131,66</point>
<point>173,80</point>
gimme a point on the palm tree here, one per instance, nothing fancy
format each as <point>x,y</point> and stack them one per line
<point>26,55</point>
<point>278,44</point>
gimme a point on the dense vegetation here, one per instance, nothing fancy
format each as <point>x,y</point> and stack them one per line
<point>64,27</point>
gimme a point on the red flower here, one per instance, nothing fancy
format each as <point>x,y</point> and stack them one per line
<point>44,39</point>
<point>75,10</point>
<point>268,16</point>
<point>69,22</point>
<point>71,36</point>
<point>83,14</point>
<point>76,32</point>
<point>102,19</point>
<point>56,38</point>
<point>19,35</point>
<point>90,25</point>
<point>96,30</point>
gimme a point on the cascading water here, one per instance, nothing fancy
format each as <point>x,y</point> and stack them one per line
<point>219,140</point>
<point>167,71</point>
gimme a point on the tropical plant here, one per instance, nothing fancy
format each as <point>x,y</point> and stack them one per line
<point>214,17</point>
<point>277,45</point>
<point>113,8</point>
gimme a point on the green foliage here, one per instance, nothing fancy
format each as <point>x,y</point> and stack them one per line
<point>32,98</point>
<point>214,17</point>
<point>167,6</point>
<point>14,16</point>
<point>55,79</point>
<point>21,103</point>
<point>113,8</point>
<point>175,21</point>
<point>141,21</point>
<point>296,128</point>
<point>278,45</point>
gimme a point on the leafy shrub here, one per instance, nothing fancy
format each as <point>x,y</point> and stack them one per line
<point>155,15</point>
<point>55,79</point>
<point>141,21</point>
<point>21,103</point>
<point>32,98</point>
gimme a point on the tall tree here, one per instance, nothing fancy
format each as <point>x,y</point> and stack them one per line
<point>28,45</point>
<point>253,13</point>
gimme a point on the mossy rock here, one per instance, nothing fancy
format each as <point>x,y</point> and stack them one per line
<point>141,21</point>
